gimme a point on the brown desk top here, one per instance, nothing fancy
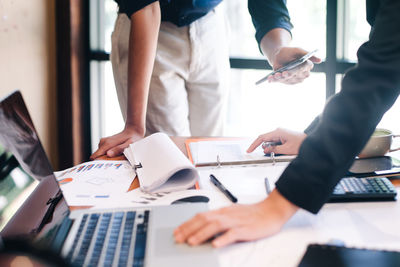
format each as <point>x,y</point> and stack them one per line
<point>180,142</point>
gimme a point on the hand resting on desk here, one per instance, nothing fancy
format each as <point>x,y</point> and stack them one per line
<point>246,222</point>
<point>114,145</point>
<point>290,140</point>
<point>237,222</point>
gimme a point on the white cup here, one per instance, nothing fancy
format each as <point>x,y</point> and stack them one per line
<point>379,144</point>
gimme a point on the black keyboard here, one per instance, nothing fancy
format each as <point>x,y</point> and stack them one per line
<point>110,239</point>
<point>363,189</point>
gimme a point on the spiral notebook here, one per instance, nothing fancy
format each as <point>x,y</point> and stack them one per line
<point>160,165</point>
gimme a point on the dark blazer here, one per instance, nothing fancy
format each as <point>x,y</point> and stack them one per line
<point>350,117</point>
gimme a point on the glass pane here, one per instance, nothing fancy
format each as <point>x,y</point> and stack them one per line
<point>353,28</point>
<point>110,15</point>
<point>113,117</point>
<point>103,14</point>
<point>241,30</point>
<point>339,78</point>
<point>106,114</point>
<point>307,16</point>
<point>391,119</point>
<point>309,20</point>
<point>253,110</point>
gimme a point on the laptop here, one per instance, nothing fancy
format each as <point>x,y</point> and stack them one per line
<point>108,237</point>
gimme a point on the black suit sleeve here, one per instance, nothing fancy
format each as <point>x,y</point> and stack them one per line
<point>350,117</point>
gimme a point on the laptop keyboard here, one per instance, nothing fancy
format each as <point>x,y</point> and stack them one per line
<point>110,239</point>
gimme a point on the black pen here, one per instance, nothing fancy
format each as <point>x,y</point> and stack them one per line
<point>222,188</point>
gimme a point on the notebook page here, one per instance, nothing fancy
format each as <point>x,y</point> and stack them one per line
<point>226,151</point>
<point>159,161</point>
<point>246,182</point>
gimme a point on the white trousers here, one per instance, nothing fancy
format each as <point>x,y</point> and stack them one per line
<point>189,83</point>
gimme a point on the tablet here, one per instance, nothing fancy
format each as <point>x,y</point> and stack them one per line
<point>337,256</point>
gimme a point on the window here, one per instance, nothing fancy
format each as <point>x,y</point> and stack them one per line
<point>333,27</point>
<point>252,109</point>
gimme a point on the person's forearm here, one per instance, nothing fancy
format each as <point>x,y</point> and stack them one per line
<point>284,209</point>
<point>273,41</point>
<point>145,25</point>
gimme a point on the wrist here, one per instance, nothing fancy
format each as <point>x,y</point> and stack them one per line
<point>273,42</point>
<point>273,55</point>
<point>282,208</point>
<point>134,129</point>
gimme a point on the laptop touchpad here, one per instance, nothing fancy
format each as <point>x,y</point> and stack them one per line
<point>167,251</point>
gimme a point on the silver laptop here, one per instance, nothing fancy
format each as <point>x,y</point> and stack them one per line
<point>116,237</point>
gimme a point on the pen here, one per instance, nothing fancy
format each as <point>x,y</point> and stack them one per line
<point>267,186</point>
<point>222,188</point>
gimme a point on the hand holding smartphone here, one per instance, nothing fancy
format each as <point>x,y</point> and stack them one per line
<point>291,65</point>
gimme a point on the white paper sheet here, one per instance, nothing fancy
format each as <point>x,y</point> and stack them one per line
<point>93,182</point>
<point>138,198</point>
<point>163,167</point>
<point>246,182</point>
<point>207,152</point>
<point>362,225</point>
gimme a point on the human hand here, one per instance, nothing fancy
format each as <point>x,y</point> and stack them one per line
<point>114,145</point>
<point>237,222</point>
<point>286,54</point>
<point>291,142</point>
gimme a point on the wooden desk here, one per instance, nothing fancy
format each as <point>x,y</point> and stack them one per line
<point>373,225</point>
<point>180,143</point>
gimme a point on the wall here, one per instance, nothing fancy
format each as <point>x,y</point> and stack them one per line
<point>28,62</point>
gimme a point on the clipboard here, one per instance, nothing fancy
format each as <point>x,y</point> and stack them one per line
<point>222,160</point>
<point>227,170</point>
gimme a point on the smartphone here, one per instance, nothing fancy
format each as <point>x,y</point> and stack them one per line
<point>291,65</point>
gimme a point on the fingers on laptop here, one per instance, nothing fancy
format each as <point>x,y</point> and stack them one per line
<point>225,226</point>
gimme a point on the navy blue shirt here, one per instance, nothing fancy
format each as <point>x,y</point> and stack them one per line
<point>266,14</point>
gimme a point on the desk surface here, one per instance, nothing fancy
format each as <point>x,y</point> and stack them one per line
<point>180,143</point>
<point>369,224</point>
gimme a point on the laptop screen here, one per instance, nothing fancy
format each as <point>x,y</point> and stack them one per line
<point>23,162</point>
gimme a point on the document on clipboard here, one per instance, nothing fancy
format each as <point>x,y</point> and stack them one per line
<point>228,151</point>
